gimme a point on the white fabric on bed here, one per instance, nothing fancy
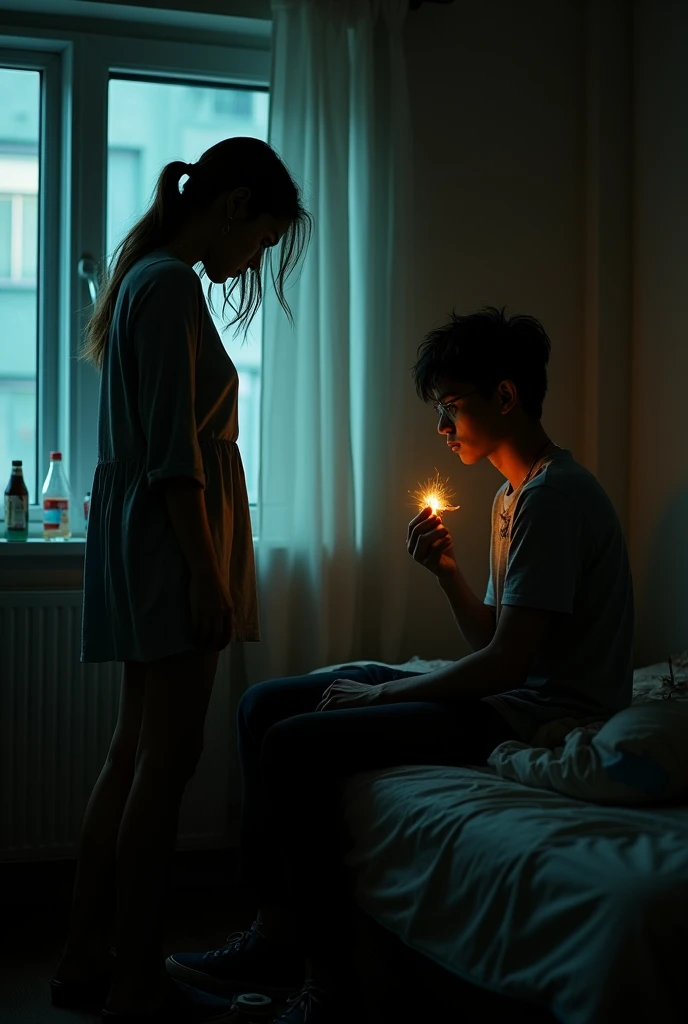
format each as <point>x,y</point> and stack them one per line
<point>581,907</point>
<point>639,756</point>
<point>414,664</point>
<point>662,681</point>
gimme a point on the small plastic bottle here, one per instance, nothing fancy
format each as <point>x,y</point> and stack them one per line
<point>56,501</point>
<point>16,505</point>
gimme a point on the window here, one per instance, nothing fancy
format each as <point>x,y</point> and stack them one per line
<point>86,123</point>
<point>20,110</point>
<point>151,123</point>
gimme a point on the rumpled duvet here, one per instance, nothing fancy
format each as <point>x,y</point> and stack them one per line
<point>580,907</point>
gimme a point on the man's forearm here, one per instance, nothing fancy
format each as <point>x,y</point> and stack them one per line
<point>475,619</point>
<point>478,675</point>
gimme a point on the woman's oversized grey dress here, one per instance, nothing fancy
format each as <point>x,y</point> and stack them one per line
<point>168,408</point>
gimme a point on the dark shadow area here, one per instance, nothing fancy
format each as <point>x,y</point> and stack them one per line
<point>664,615</point>
<point>204,906</point>
<point>399,984</point>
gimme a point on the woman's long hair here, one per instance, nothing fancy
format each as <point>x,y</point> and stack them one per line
<point>228,165</point>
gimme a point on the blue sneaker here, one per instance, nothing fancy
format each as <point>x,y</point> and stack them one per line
<point>249,962</point>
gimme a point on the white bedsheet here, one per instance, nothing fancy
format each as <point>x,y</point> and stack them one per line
<point>582,908</point>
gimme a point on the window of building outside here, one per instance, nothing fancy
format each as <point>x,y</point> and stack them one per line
<point>150,122</point>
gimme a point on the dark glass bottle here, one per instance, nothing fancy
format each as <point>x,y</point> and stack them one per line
<point>16,505</point>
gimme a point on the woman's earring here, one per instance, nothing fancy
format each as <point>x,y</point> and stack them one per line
<point>226,228</point>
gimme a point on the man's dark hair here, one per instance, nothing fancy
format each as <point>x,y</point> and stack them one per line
<point>483,349</point>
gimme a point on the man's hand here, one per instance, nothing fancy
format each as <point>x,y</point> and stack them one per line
<point>429,543</point>
<point>347,693</point>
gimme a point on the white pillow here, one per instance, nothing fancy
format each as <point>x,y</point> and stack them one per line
<point>639,756</point>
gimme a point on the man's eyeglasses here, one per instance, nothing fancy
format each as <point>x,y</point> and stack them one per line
<point>451,409</point>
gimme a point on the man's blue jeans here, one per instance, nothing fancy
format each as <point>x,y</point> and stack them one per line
<point>294,761</point>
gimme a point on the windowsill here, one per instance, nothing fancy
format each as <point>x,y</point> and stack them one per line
<point>37,564</point>
<point>38,547</point>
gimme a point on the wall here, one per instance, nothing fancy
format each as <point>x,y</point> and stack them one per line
<point>659,435</point>
<point>498,105</point>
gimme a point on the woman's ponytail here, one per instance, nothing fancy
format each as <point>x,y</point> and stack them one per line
<point>154,229</point>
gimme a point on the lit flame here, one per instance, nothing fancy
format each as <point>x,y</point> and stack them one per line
<point>436,494</point>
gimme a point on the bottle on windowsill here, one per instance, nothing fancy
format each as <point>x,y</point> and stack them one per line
<point>16,505</point>
<point>56,501</point>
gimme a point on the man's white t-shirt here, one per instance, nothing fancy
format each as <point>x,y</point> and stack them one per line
<point>557,545</point>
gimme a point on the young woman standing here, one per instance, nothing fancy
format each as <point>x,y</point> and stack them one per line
<point>169,575</point>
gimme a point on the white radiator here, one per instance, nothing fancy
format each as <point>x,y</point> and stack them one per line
<point>56,721</point>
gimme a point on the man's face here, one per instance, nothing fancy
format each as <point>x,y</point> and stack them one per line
<point>469,422</point>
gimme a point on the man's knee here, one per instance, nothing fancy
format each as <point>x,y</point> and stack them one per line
<point>250,708</point>
<point>260,707</point>
<point>292,743</point>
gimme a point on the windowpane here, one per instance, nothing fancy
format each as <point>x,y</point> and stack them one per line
<point>124,192</point>
<point>151,124</point>
<point>19,160</point>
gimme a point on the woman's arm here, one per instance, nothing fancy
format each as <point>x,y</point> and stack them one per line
<point>211,602</point>
<point>185,502</point>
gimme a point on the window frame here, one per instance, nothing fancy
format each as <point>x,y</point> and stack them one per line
<point>49,287</point>
<point>77,67</point>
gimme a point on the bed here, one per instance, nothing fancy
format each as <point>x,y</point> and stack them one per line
<point>578,907</point>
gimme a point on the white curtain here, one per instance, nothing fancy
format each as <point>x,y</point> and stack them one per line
<point>334,499</point>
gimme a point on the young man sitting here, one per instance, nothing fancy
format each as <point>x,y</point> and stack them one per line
<point>551,639</point>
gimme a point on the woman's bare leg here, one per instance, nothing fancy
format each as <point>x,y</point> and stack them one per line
<point>93,904</point>
<point>171,740</point>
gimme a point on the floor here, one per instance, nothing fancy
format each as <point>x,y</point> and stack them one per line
<point>203,909</point>
<point>32,943</point>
